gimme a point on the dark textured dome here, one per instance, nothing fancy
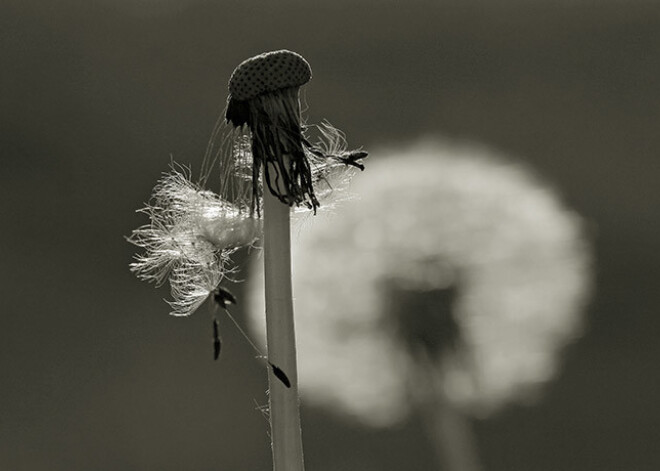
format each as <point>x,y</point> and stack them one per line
<point>268,72</point>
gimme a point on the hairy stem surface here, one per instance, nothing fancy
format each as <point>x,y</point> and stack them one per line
<point>286,434</point>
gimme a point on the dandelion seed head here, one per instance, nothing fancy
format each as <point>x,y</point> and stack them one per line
<point>509,258</point>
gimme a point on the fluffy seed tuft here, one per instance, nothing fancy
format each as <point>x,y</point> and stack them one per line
<point>190,237</point>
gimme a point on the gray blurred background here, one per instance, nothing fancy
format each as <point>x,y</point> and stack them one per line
<point>97,97</point>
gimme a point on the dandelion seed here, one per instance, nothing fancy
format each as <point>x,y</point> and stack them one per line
<point>223,297</point>
<point>279,374</point>
<point>217,345</point>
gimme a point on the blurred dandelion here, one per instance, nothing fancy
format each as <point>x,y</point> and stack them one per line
<point>447,287</point>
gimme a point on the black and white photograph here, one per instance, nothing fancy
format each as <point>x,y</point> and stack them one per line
<point>329,235</point>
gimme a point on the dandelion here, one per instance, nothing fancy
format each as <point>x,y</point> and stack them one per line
<point>264,97</point>
<point>448,286</point>
<point>193,231</point>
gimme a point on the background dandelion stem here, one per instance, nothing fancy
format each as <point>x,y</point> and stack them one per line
<point>286,435</point>
<point>451,431</point>
<point>454,440</point>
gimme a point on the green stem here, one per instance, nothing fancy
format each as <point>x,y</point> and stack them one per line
<point>286,438</point>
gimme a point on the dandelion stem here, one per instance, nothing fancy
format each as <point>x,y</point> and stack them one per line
<point>451,433</point>
<point>286,434</point>
<point>455,444</point>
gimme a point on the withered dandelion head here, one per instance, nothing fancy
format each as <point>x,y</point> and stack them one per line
<point>264,96</point>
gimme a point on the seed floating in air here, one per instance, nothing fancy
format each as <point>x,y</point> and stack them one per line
<point>217,342</point>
